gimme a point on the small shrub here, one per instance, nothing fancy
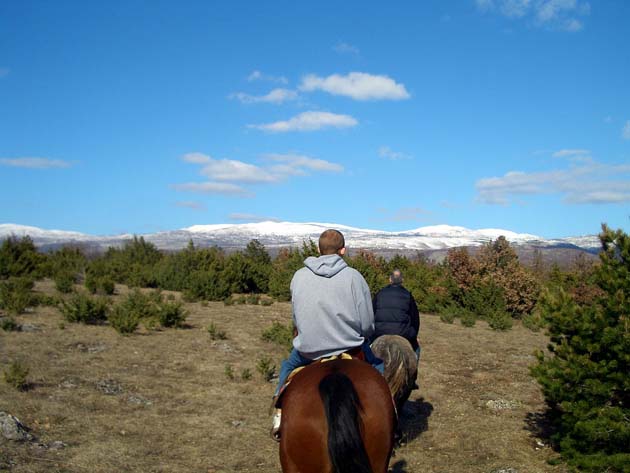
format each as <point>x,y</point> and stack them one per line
<point>107,285</point>
<point>266,302</point>
<point>229,372</point>
<point>46,300</point>
<point>252,299</point>
<point>151,309</point>
<point>533,322</point>
<point>15,295</point>
<point>64,282</point>
<point>85,309</point>
<point>240,299</point>
<point>215,333</point>
<point>123,320</point>
<point>468,318</point>
<point>279,334</point>
<point>228,300</point>
<point>246,374</point>
<point>448,314</point>
<point>171,314</point>
<point>103,284</point>
<point>499,320</point>
<point>16,375</point>
<point>204,303</point>
<point>8,324</point>
<point>266,368</point>
<point>170,297</point>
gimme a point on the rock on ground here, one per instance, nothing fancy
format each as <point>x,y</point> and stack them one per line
<point>12,429</point>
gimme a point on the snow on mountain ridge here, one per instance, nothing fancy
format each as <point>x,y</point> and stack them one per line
<point>277,228</point>
<point>279,234</point>
<point>23,230</point>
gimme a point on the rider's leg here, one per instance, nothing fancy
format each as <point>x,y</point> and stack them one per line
<point>371,358</point>
<point>295,360</point>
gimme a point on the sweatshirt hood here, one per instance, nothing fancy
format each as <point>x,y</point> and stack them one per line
<point>326,266</point>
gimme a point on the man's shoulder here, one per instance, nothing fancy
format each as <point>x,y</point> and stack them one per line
<point>300,273</point>
<point>351,272</point>
<point>392,289</point>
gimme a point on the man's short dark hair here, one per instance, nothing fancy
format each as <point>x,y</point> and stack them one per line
<point>396,277</point>
<point>330,242</point>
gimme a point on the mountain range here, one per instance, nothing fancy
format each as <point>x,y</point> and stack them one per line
<point>275,235</point>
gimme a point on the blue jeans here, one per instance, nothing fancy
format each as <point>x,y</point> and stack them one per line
<point>295,360</point>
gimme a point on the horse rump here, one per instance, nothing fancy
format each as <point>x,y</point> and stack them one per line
<point>343,413</point>
<point>401,365</point>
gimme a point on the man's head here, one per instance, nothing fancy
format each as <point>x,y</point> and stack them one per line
<point>332,242</point>
<point>396,277</point>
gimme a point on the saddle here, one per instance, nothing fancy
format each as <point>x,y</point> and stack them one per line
<point>354,353</point>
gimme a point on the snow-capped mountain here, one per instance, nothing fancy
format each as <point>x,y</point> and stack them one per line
<point>283,234</point>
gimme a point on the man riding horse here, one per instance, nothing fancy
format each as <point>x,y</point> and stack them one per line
<point>332,312</point>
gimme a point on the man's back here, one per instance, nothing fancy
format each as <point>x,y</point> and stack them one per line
<point>331,307</point>
<point>396,313</point>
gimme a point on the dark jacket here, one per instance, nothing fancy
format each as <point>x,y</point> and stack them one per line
<point>396,313</point>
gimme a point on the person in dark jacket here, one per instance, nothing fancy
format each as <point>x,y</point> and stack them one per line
<point>396,312</point>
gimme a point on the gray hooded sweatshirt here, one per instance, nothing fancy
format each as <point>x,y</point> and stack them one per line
<point>332,307</point>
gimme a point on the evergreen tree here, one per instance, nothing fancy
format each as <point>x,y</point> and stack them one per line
<point>19,258</point>
<point>586,378</point>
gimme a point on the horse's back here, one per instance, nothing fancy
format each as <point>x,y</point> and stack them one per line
<point>304,430</point>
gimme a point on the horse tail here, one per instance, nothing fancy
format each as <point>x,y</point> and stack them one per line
<point>396,372</point>
<point>342,405</point>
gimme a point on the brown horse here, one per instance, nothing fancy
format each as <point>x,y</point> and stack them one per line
<point>401,366</point>
<point>337,417</point>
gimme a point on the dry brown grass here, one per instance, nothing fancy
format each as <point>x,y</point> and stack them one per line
<point>176,411</point>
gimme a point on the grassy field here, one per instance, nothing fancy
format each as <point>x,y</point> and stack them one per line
<point>163,400</point>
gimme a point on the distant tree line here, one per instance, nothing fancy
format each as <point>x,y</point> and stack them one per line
<point>491,285</point>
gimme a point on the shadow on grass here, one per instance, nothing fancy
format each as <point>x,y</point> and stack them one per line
<point>399,467</point>
<point>540,425</point>
<point>414,419</point>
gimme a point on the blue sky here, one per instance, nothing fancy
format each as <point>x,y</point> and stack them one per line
<point>139,116</point>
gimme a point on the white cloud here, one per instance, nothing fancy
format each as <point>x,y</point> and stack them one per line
<point>246,217</point>
<point>237,171</point>
<point>229,169</point>
<point>225,174</point>
<point>554,14</point>
<point>345,48</point>
<point>189,204</point>
<point>257,75</point>
<point>357,85</point>
<point>625,133</point>
<point>387,153</point>
<point>196,158</point>
<point>224,188</point>
<point>570,153</point>
<point>309,121</point>
<point>297,161</point>
<point>582,183</point>
<point>34,163</point>
<point>276,96</point>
